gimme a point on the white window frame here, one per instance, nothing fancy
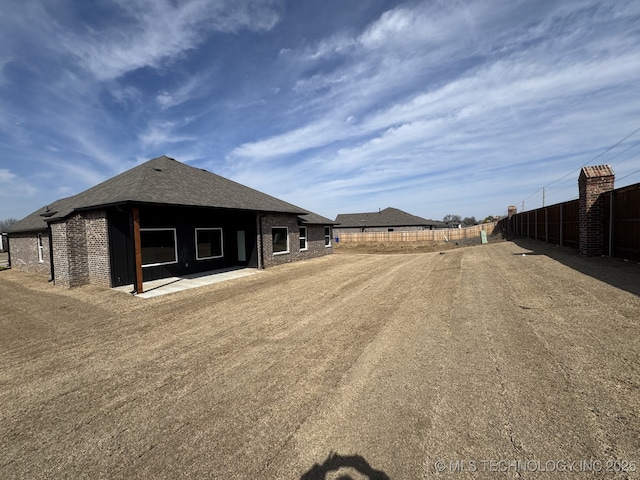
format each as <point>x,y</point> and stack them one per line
<point>175,246</point>
<point>40,249</point>
<point>304,237</point>
<point>284,252</point>
<point>221,243</point>
<point>327,237</point>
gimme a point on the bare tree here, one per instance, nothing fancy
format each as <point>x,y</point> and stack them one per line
<point>452,218</point>
<point>5,224</point>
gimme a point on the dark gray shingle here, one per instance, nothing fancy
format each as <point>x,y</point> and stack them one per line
<point>161,180</point>
<point>389,217</point>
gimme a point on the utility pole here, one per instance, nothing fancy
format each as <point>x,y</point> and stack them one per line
<point>543,192</point>
<point>522,206</point>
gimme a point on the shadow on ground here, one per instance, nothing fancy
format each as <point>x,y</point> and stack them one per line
<point>617,272</point>
<point>351,467</point>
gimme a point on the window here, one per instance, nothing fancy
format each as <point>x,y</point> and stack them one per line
<point>280,240</point>
<point>208,243</point>
<point>159,246</point>
<point>303,238</point>
<point>327,236</point>
<point>40,249</point>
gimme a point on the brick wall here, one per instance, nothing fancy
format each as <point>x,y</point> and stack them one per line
<point>24,252</point>
<point>81,250</point>
<point>592,183</point>
<point>315,240</point>
<point>97,235</point>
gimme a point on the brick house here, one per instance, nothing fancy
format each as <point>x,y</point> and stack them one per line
<point>387,220</point>
<point>161,219</point>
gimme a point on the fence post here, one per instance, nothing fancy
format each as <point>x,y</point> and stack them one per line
<point>546,224</point>
<point>561,223</point>
<point>611,211</point>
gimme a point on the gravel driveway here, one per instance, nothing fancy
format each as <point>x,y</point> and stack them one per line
<point>475,363</point>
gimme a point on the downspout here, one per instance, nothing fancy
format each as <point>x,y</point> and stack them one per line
<point>8,252</point>
<point>51,266</point>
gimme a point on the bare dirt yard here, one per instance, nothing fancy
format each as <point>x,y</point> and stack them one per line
<point>477,362</point>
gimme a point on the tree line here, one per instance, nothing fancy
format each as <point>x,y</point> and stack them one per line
<point>467,220</point>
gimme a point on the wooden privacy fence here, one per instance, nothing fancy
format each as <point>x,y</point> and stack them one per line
<point>438,235</point>
<point>556,223</point>
<point>559,223</point>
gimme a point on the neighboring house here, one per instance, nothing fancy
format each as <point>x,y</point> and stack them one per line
<point>455,224</point>
<point>160,219</point>
<point>387,220</point>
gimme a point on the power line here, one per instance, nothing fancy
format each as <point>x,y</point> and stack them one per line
<point>588,162</point>
<point>628,175</point>
<point>615,166</point>
<point>623,151</point>
<point>596,157</point>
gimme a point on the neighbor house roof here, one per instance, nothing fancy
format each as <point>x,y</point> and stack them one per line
<point>389,217</point>
<point>314,219</point>
<point>161,180</point>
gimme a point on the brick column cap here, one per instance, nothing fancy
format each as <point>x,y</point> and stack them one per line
<point>596,171</point>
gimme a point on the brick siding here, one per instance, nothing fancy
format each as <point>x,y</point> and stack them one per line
<point>81,250</point>
<point>24,252</point>
<point>97,234</point>
<point>315,240</point>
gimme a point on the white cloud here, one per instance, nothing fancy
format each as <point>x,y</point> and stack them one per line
<point>157,30</point>
<point>400,25</point>
<point>507,92</point>
<point>6,176</point>
<point>15,193</point>
<point>298,140</point>
<point>192,87</point>
<point>163,133</point>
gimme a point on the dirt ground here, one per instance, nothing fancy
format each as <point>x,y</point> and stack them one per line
<point>4,259</point>
<point>477,362</point>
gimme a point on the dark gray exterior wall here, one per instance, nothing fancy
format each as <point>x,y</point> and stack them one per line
<point>315,240</point>
<point>88,247</point>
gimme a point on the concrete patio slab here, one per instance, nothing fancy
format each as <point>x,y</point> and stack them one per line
<point>164,286</point>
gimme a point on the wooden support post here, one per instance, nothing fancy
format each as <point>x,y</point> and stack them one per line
<point>137,248</point>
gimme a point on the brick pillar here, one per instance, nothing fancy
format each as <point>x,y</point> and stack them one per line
<point>592,183</point>
<point>511,211</point>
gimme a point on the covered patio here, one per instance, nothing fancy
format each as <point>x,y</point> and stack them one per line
<point>164,286</point>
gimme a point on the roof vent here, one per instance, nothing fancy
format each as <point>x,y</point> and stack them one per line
<point>157,169</point>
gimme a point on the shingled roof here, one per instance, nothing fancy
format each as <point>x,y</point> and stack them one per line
<point>165,181</point>
<point>389,217</point>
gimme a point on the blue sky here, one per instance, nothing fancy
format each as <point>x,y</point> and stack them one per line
<point>346,106</point>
